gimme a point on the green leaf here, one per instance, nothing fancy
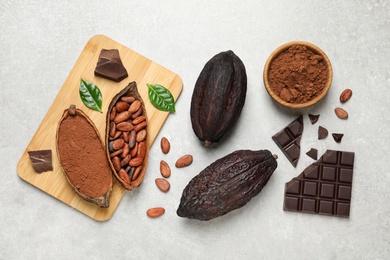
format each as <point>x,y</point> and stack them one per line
<point>161,98</point>
<point>90,95</point>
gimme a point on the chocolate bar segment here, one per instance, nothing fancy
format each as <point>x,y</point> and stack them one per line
<point>314,118</point>
<point>289,140</point>
<point>110,66</point>
<point>41,160</point>
<point>324,187</point>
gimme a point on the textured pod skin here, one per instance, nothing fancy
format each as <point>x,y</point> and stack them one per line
<point>218,97</point>
<point>227,184</point>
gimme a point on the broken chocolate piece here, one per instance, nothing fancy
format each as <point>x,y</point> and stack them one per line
<point>322,132</point>
<point>324,187</point>
<point>337,137</point>
<point>41,160</point>
<point>313,153</point>
<point>110,65</point>
<point>313,118</point>
<point>289,140</point>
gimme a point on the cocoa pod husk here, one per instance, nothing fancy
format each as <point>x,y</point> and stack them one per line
<point>218,97</point>
<point>97,181</point>
<point>130,95</point>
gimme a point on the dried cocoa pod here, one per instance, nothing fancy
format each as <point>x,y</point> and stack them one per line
<point>131,164</point>
<point>76,137</point>
<point>218,97</point>
<point>227,184</point>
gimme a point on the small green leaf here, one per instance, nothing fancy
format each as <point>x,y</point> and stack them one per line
<point>90,95</point>
<point>161,98</point>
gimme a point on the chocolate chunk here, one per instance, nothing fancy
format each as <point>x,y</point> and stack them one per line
<point>322,132</point>
<point>324,187</point>
<point>313,153</point>
<point>289,140</point>
<point>110,65</point>
<point>41,160</point>
<point>313,118</point>
<point>337,137</point>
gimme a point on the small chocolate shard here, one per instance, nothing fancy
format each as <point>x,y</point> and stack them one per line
<point>313,153</point>
<point>110,66</point>
<point>322,132</point>
<point>314,118</point>
<point>41,160</point>
<point>337,137</point>
<point>289,140</point>
<point>324,187</point>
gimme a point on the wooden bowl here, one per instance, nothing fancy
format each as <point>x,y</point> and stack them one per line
<point>279,50</point>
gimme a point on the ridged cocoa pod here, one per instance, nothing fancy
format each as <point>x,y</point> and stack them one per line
<point>218,97</point>
<point>130,169</point>
<point>227,184</point>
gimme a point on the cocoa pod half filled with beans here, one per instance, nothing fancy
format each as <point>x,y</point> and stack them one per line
<point>126,134</point>
<point>218,97</point>
<point>82,157</point>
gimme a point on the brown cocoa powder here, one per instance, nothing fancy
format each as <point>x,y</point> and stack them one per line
<point>298,75</point>
<point>84,154</point>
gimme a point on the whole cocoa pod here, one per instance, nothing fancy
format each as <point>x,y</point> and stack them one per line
<point>218,97</point>
<point>226,184</point>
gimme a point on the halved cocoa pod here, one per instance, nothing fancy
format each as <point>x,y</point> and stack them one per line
<point>134,160</point>
<point>82,157</point>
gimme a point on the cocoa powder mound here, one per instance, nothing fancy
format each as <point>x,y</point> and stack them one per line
<point>86,163</point>
<point>298,75</point>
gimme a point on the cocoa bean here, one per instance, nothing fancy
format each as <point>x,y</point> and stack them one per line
<point>141,135</point>
<point>125,150</point>
<point>163,184</point>
<point>121,117</point>
<point>184,161</point>
<point>116,145</point>
<point>128,99</point>
<point>141,150</point>
<point>116,162</point>
<point>137,161</point>
<point>125,161</point>
<point>134,106</point>
<point>137,114</point>
<point>113,114</point>
<point>345,95</point>
<point>126,136</point>
<point>123,175</point>
<point>140,126</point>
<point>112,129</point>
<point>122,106</point>
<point>137,172</point>
<point>138,120</point>
<point>155,212</point>
<point>118,152</point>
<point>341,113</point>
<point>165,170</point>
<point>165,145</point>
<point>134,150</point>
<point>132,138</point>
<point>125,126</point>
<point>117,134</point>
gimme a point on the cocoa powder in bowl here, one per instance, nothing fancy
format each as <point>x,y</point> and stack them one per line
<point>297,74</point>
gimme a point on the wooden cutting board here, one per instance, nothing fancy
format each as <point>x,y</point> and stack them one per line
<point>141,70</point>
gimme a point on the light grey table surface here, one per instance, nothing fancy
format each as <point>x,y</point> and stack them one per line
<point>40,42</point>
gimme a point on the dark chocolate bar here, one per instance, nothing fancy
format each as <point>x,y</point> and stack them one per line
<point>41,160</point>
<point>110,66</point>
<point>324,187</point>
<point>289,140</point>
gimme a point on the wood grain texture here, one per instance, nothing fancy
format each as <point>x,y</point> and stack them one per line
<point>141,70</point>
